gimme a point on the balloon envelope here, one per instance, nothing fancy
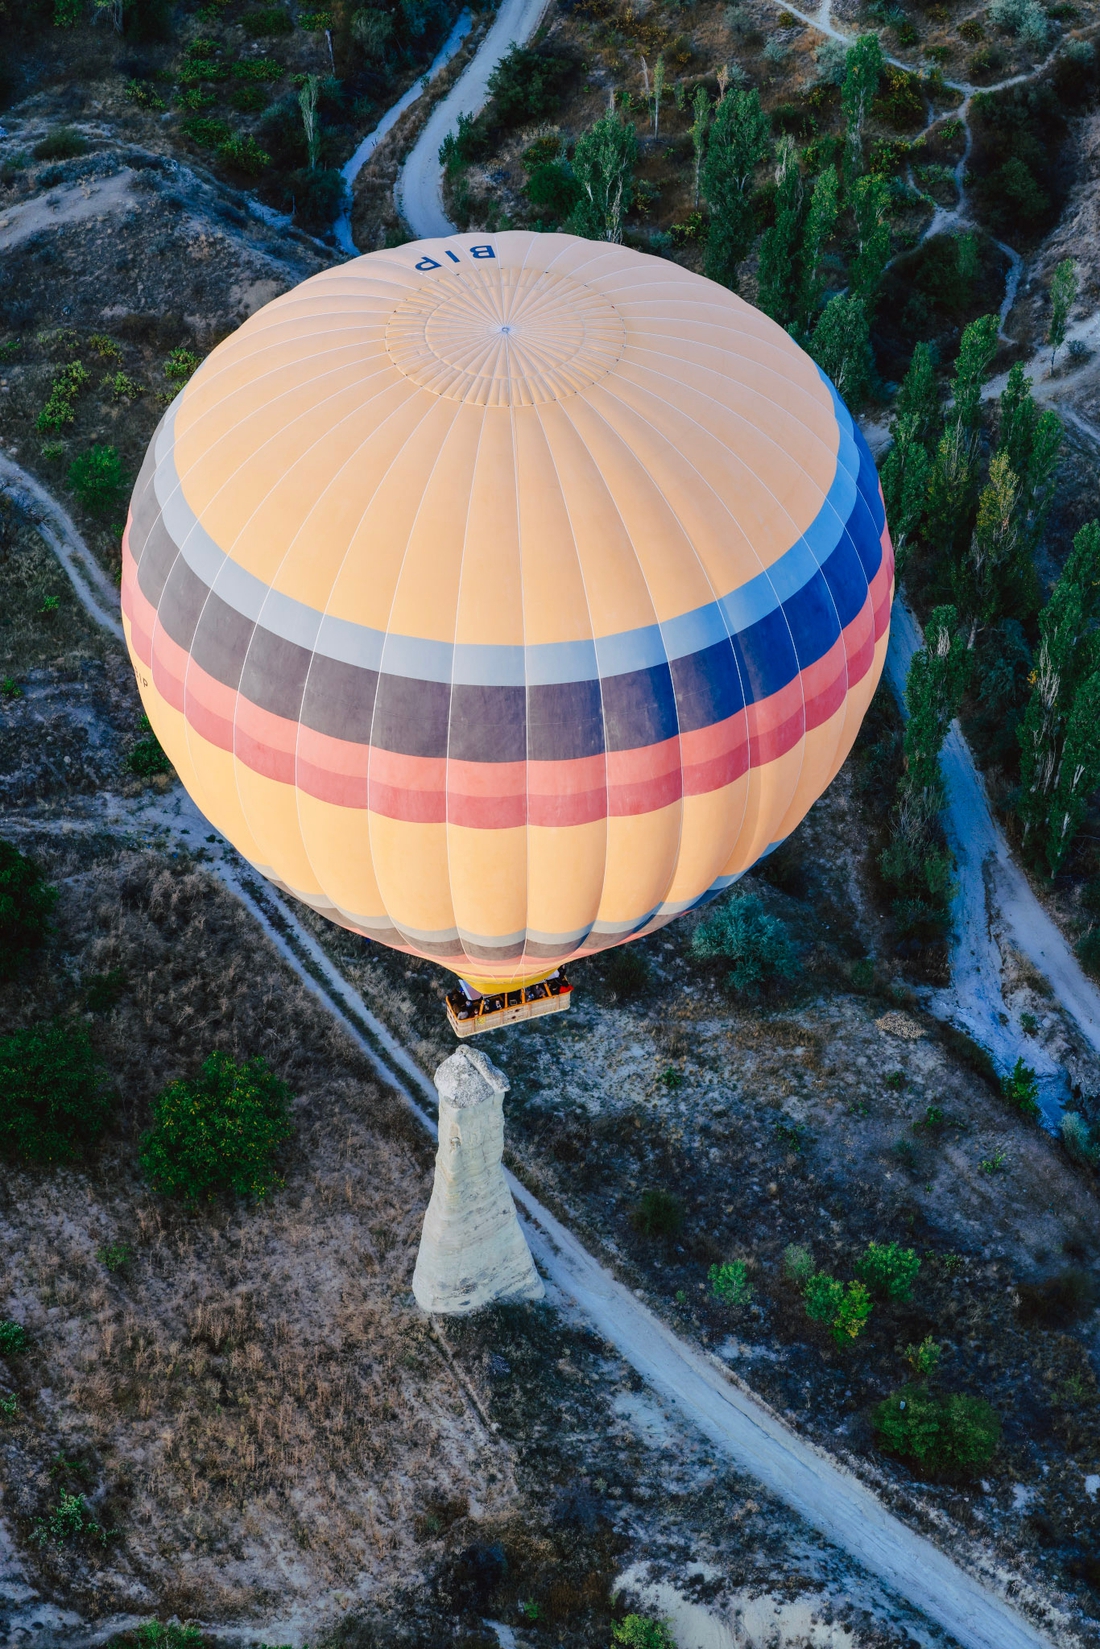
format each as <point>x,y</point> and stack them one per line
<point>503,597</point>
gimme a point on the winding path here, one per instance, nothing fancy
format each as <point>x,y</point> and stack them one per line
<point>818,1489</point>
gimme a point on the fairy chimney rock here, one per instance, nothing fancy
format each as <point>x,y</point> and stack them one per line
<point>472,1251</point>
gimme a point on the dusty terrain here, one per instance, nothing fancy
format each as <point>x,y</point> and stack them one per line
<point>280,1446</point>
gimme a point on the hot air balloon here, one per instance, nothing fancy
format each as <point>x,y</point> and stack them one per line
<point>503,597</point>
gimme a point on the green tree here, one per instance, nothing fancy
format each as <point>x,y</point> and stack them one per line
<point>1063,296</point>
<point>642,1632</point>
<point>821,216</point>
<point>1078,772</point>
<point>945,1434</point>
<point>844,1309</point>
<point>871,204</point>
<point>219,1133</point>
<point>700,128</point>
<point>907,468</point>
<point>934,691</point>
<point>841,346</point>
<point>729,1283</point>
<point>954,481</point>
<point>863,68</point>
<point>977,347</point>
<point>888,1269</point>
<point>738,142</point>
<point>1033,443</point>
<point>603,165</point>
<point>26,900</point>
<point>757,945</point>
<point>97,478</point>
<point>658,93</point>
<point>1069,654</point>
<point>307,102</point>
<point>54,1098</point>
<point>998,574</point>
<point>778,278</point>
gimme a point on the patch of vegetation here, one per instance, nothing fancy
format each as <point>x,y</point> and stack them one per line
<point>944,1435</point>
<point>219,1133</point>
<point>62,144</point>
<point>729,1283</point>
<point>843,1309</point>
<point>642,1632</point>
<point>889,1270</point>
<point>1018,183</point>
<point>1055,1302</point>
<point>658,1214</point>
<point>54,1098</point>
<point>1021,1089</point>
<point>60,409</point>
<point>147,758</point>
<point>14,1339</point>
<point>26,901</point>
<point>98,479</point>
<point>70,1521</point>
<point>757,946</point>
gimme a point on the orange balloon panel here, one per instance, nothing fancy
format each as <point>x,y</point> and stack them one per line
<point>505,596</point>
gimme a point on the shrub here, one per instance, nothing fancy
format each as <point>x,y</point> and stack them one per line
<point>552,187</point>
<point>70,1520</point>
<point>155,1634</point>
<point>54,1101</point>
<point>317,194</point>
<point>266,20</point>
<point>798,1263</point>
<point>218,1133</point>
<point>244,154</point>
<point>642,1632</point>
<point>658,1214</point>
<point>729,1283</point>
<point>924,1358</point>
<point>627,972</point>
<point>758,945</point>
<point>1021,1088</point>
<point>26,901</point>
<point>61,144</point>
<point>13,1338</point>
<point>1077,1138</point>
<point>207,131</point>
<point>843,1310</point>
<point>950,1435</point>
<point>1088,952</point>
<point>258,68</point>
<point>97,478</point>
<point>889,1270</point>
<point>59,409</point>
<point>147,758</point>
<point>180,365</point>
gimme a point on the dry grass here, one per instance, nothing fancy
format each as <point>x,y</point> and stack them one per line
<point>252,1398</point>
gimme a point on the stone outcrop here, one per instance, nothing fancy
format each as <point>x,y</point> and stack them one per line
<point>472,1251</point>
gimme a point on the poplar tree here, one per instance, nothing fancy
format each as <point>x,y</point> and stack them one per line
<point>871,202</point>
<point>841,346</point>
<point>917,863</point>
<point>953,482</point>
<point>738,142</point>
<point>779,245</point>
<point>700,128</point>
<point>1033,442</point>
<point>1063,295</point>
<point>603,165</point>
<point>821,216</point>
<point>863,68</point>
<point>907,467</point>
<point>997,574</point>
<point>1068,657</point>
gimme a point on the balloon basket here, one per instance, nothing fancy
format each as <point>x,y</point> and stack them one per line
<point>486,1013</point>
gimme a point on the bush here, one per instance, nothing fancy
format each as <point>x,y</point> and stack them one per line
<point>61,144</point>
<point>219,1133</point>
<point>889,1270</point>
<point>13,1338</point>
<point>729,1283</point>
<point>155,1634</point>
<point>1021,1088</point>
<point>207,131</point>
<point>244,154</point>
<point>1077,1138</point>
<point>552,187</point>
<point>843,1310</point>
<point>266,20</point>
<point>949,1435</point>
<point>97,478</point>
<point>742,932</point>
<point>642,1632</point>
<point>180,364</point>
<point>1088,952</point>
<point>54,1101</point>
<point>798,1264</point>
<point>527,85</point>
<point>26,901</point>
<point>658,1214</point>
<point>59,409</point>
<point>317,196</point>
<point>147,757</point>
<point>627,972</point>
